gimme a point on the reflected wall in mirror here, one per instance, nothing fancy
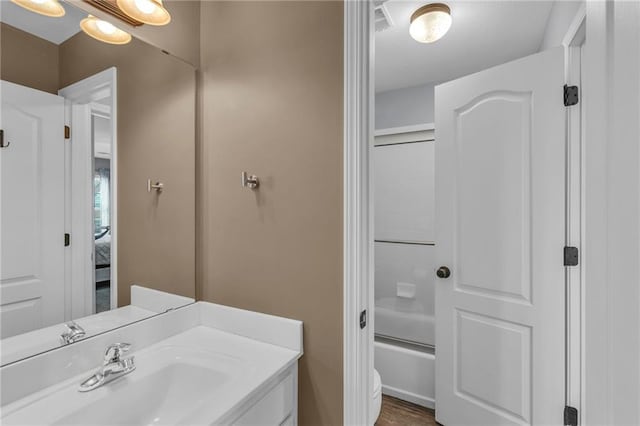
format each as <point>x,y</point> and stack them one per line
<point>85,124</point>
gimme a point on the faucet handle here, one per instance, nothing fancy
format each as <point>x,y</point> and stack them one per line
<point>73,326</point>
<point>115,351</point>
<point>74,332</point>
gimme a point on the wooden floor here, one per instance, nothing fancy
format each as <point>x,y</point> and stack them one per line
<point>396,412</point>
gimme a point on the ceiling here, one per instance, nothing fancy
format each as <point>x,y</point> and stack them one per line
<point>56,30</point>
<point>483,34</point>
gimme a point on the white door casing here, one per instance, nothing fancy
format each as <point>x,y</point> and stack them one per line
<point>500,224</point>
<point>82,98</point>
<point>32,197</point>
<point>82,253</point>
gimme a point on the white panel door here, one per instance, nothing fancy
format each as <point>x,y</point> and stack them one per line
<point>500,211</point>
<point>32,210</point>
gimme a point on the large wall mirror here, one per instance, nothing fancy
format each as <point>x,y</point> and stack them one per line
<point>97,182</point>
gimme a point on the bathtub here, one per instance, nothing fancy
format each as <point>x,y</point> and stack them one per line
<point>407,372</point>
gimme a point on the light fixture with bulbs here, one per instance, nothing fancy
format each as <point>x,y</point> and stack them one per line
<point>150,12</point>
<point>429,23</point>
<point>104,31</point>
<point>51,8</point>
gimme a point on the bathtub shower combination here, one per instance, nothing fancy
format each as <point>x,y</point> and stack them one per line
<point>403,167</point>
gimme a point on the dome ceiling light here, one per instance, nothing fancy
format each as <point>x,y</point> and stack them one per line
<point>150,12</point>
<point>51,8</point>
<point>430,22</point>
<point>104,31</point>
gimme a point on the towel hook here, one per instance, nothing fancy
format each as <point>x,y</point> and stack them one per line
<point>158,186</point>
<point>2,144</point>
<point>250,181</point>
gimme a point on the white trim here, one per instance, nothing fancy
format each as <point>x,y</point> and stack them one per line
<point>68,190</point>
<point>596,369</point>
<point>611,340</point>
<point>409,396</point>
<point>402,138</point>
<point>358,223</point>
<point>574,236</point>
<point>405,129</point>
<point>101,110</point>
<point>573,42</point>
<point>86,92</point>
<point>576,32</point>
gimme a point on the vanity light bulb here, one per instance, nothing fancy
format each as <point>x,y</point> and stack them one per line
<point>51,8</point>
<point>145,6</point>
<point>105,27</point>
<point>150,12</point>
<point>104,31</point>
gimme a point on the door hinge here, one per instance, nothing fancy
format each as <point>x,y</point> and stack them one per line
<point>571,256</point>
<point>571,96</point>
<point>363,319</point>
<point>67,132</point>
<point>67,240</point>
<point>570,416</point>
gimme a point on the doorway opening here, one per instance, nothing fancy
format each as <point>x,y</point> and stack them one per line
<point>102,141</point>
<point>467,251</point>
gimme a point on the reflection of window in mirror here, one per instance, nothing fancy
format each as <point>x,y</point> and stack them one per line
<point>101,197</point>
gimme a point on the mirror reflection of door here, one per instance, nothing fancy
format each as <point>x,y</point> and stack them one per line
<point>32,220</point>
<point>59,181</point>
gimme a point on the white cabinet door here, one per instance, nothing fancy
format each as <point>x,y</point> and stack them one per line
<point>500,211</point>
<point>32,210</point>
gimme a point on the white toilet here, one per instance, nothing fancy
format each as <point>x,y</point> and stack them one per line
<point>377,396</point>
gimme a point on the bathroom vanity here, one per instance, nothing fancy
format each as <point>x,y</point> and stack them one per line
<point>199,364</point>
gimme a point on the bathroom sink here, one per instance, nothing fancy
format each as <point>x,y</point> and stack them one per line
<point>179,388</point>
<point>177,382</point>
<point>172,384</point>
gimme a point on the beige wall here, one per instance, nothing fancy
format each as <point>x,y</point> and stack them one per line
<point>271,98</point>
<point>181,37</point>
<point>28,60</point>
<point>156,139</point>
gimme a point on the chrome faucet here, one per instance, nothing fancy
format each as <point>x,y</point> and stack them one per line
<point>74,333</point>
<point>114,366</point>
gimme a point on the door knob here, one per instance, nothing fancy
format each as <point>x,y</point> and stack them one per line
<point>443,272</point>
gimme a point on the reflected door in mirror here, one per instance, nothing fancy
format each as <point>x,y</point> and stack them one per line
<point>32,196</point>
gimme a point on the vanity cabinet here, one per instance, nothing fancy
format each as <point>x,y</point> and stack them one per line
<point>278,405</point>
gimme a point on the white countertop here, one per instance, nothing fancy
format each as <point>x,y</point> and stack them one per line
<point>225,356</point>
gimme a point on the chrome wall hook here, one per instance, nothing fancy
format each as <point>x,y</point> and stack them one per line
<point>158,186</point>
<point>250,181</point>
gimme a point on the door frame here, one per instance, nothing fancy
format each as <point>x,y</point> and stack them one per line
<point>358,212</point>
<point>573,42</point>
<point>82,267</point>
<point>611,316</point>
<point>594,388</point>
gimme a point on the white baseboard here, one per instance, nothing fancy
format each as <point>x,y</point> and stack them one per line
<point>409,396</point>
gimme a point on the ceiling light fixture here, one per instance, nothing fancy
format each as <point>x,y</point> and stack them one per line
<point>430,22</point>
<point>104,31</point>
<point>150,12</point>
<point>51,8</point>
